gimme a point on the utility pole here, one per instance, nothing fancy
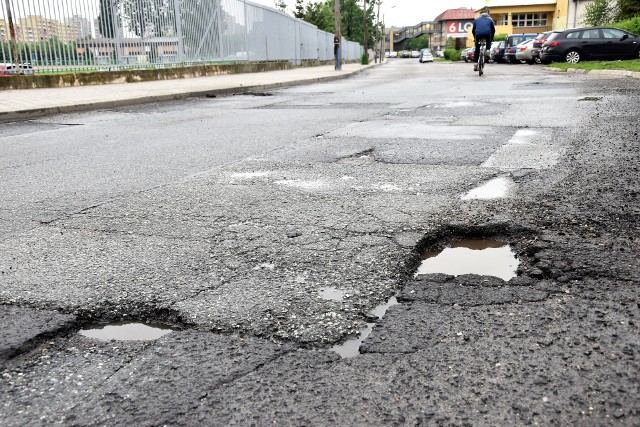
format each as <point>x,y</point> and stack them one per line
<point>365,58</point>
<point>12,35</point>
<point>337,38</point>
<point>379,33</point>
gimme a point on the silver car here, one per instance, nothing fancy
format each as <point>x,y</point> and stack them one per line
<point>426,55</point>
<point>523,52</point>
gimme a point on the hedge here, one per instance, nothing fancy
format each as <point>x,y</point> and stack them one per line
<point>632,25</point>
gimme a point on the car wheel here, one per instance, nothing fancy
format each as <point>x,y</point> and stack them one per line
<point>572,57</point>
<point>638,53</point>
<point>522,61</point>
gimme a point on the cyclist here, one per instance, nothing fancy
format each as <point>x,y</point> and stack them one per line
<point>483,28</point>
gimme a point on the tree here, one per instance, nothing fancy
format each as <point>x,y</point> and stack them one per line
<point>600,12</point>
<point>299,11</point>
<point>106,24</point>
<point>149,17</point>
<point>280,5</point>
<point>628,9</point>
<point>418,43</point>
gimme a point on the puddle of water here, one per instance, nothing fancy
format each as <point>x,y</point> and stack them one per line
<point>126,331</point>
<point>494,189</point>
<point>351,348</point>
<point>331,294</point>
<point>483,257</point>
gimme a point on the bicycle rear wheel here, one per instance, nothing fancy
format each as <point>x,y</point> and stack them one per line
<point>481,62</point>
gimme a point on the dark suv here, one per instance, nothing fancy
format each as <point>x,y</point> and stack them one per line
<point>511,42</point>
<point>582,44</point>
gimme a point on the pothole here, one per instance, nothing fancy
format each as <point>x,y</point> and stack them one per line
<point>493,189</point>
<point>331,294</point>
<point>126,331</point>
<point>482,257</point>
<point>351,348</point>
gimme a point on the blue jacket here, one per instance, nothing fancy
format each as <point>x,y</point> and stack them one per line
<point>483,27</point>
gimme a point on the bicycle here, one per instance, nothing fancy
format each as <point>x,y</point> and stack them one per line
<point>481,54</point>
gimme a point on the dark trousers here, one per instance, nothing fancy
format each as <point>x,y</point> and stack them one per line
<point>477,51</point>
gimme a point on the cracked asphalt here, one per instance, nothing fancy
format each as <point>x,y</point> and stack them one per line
<point>225,218</point>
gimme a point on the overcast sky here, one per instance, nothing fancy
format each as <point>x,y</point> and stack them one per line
<point>402,13</point>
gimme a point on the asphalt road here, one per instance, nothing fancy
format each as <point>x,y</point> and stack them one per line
<point>264,228</point>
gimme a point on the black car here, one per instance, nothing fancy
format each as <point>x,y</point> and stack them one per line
<point>538,42</point>
<point>511,42</point>
<point>582,44</point>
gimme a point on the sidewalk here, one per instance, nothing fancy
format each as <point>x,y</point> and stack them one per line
<point>29,103</point>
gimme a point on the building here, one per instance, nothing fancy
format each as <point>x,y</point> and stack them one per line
<point>395,38</point>
<point>453,23</point>
<point>576,12</point>
<point>534,16</point>
<point>34,28</point>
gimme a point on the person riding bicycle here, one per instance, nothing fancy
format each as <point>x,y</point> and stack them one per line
<point>483,28</point>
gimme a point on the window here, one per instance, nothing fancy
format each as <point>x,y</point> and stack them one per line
<point>529,19</point>
<point>573,35</point>
<point>610,33</point>
<point>591,34</point>
<point>503,19</point>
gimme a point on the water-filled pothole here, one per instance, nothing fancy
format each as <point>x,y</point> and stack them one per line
<point>482,257</point>
<point>126,331</point>
<point>351,348</point>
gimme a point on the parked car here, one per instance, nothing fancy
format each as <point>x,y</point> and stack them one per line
<point>470,53</point>
<point>493,47</point>
<point>405,54</point>
<point>523,52</point>
<point>415,54</point>
<point>538,42</point>
<point>463,54</point>
<point>426,55</point>
<point>393,54</point>
<point>584,44</point>
<point>497,53</point>
<point>512,41</point>
<point>9,69</point>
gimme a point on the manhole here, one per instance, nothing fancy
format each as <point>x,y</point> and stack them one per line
<point>351,348</point>
<point>126,331</point>
<point>483,257</point>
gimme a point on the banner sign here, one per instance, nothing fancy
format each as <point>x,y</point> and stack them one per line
<point>459,27</point>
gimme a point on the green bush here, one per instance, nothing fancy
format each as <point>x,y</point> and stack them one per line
<point>452,54</point>
<point>632,25</point>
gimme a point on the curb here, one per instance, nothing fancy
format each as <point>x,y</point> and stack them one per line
<point>606,73</point>
<point>40,112</point>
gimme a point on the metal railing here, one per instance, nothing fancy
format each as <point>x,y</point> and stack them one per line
<point>75,35</point>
